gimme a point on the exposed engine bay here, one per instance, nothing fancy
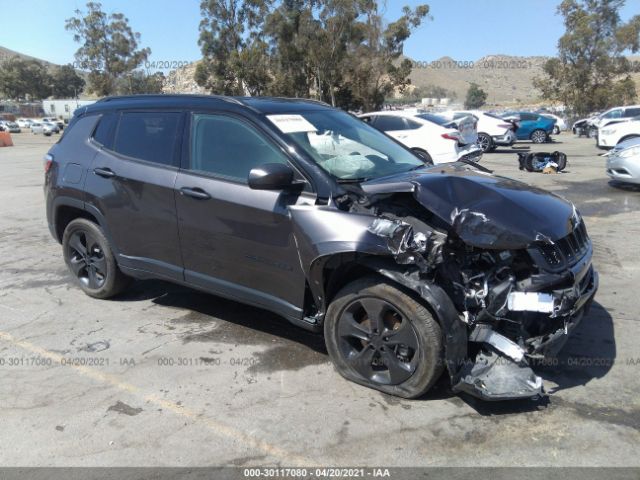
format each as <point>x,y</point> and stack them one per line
<point>517,305</point>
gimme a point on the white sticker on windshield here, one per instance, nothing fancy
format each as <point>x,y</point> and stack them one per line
<point>291,123</point>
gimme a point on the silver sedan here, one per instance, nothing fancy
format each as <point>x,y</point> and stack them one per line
<point>623,162</point>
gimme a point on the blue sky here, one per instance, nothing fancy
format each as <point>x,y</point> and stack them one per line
<point>461,29</point>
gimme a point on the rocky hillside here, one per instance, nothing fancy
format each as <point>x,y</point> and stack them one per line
<point>6,54</point>
<point>505,79</point>
<point>181,80</point>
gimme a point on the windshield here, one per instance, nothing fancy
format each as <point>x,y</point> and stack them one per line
<point>344,146</point>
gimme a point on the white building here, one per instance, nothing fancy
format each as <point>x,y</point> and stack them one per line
<point>63,108</point>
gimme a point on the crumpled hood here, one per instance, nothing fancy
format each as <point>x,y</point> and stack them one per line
<point>485,210</point>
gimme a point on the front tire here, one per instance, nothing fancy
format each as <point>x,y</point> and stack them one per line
<point>90,259</point>
<point>485,142</point>
<point>539,136</point>
<point>382,338</point>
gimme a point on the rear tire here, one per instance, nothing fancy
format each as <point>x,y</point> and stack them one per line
<point>539,136</point>
<point>90,260</point>
<point>394,345</point>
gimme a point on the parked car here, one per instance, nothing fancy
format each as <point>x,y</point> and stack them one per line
<point>52,126</point>
<point>55,121</point>
<point>531,126</point>
<point>611,135</point>
<point>584,126</point>
<point>615,113</point>
<point>11,127</point>
<point>561,124</point>
<point>24,122</point>
<point>623,161</point>
<point>407,269</point>
<point>493,132</point>
<point>434,142</point>
<point>46,129</point>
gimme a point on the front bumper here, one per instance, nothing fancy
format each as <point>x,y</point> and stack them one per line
<point>501,371</point>
<point>624,169</point>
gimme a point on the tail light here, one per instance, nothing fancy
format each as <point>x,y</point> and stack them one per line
<point>451,136</point>
<point>505,125</point>
<point>47,160</point>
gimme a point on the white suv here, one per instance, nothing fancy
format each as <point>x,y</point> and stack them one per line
<point>420,132</point>
<point>612,134</point>
<point>616,113</point>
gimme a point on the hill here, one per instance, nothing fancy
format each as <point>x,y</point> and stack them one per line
<point>6,54</point>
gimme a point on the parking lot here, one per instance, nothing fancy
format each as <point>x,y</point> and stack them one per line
<point>165,375</point>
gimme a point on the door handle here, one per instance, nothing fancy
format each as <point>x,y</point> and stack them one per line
<point>195,193</point>
<point>104,172</point>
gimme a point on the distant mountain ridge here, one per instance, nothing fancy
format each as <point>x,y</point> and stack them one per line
<point>6,54</point>
<point>507,79</point>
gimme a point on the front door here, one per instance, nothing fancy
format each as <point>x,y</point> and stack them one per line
<point>236,241</point>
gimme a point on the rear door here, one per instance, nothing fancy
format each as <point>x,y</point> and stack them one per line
<point>131,185</point>
<point>236,241</point>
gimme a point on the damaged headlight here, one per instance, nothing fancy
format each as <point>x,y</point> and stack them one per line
<point>423,248</point>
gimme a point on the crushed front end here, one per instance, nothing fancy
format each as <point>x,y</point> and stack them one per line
<point>519,293</point>
<point>519,305</point>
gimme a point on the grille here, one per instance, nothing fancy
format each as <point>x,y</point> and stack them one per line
<point>570,248</point>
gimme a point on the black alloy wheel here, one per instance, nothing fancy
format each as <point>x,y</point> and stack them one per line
<point>90,259</point>
<point>86,260</point>
<point>384,338</point>
<point>377,342</point>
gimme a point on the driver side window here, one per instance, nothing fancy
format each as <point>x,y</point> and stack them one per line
<point>228,147</point>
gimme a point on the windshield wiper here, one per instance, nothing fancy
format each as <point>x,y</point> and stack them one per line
<point>474,164</point>
<point>352,180</point>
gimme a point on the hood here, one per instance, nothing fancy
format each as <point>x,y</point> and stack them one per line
<point>485,210</point>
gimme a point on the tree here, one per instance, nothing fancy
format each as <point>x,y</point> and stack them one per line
<point>334,50</point>
<point>19,78</point>
<point>476,97</point>
<point>109,47</point>
<point>140,82</point>
<point>66,82</point>
<point>372,72</point>
<point>232,48</point>
<point>591,72</point>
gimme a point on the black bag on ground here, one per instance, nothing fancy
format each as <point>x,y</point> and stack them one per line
<point>536,161</point>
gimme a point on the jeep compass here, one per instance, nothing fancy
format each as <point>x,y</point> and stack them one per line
<point>302,209</point>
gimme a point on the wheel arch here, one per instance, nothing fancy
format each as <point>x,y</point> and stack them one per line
<point>67,209</point>
<point>332,272</point>
<point>628,137</point>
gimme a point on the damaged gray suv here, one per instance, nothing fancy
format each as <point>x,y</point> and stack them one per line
<point>306,211</point>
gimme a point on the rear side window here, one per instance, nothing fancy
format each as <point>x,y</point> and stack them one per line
<point>149,136</point>
<point>103,134</point>
<point>412,124</point>
<point>387,123</point>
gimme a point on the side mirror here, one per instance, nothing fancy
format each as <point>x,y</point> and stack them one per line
<point>271,176</point>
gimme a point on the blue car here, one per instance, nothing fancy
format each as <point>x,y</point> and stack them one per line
<point>531,126</point>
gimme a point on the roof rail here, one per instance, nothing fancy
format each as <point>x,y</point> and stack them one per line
<point>146,96</point>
